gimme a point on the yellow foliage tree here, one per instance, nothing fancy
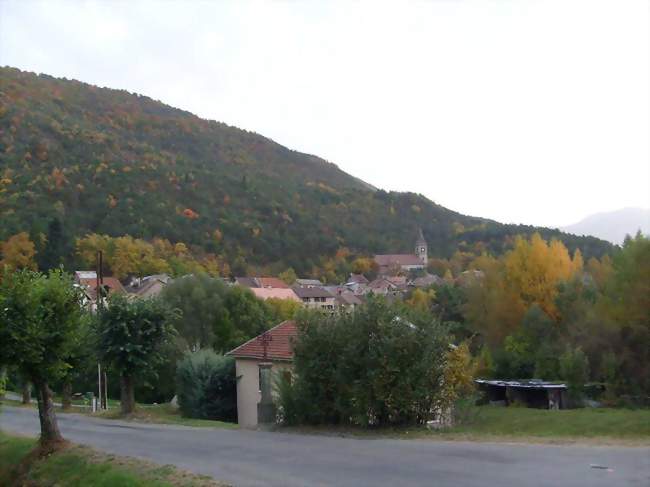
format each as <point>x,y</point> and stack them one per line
<point>18,253</point>
<point>421,299</point>
<point>533,270</point>
<point>362,265</point>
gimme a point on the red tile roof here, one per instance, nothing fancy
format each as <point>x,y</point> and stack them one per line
<point>272,282</point>
<point>280,347</point>
<point>277,293</point>
<point>112,283</point>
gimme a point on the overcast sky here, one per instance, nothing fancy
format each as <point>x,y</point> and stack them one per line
<point>521,111</point>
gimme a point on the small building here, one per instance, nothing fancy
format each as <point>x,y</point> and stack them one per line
<point>315,297</point>
<point>428,280</point>
<point>383,287</point>
<point>274,293</point>
<point>261,282</point>
<point>308,283</point>
<point>533,393</point>
<point>274,347</point>
<point>148,286</point>
<point>348,300</point>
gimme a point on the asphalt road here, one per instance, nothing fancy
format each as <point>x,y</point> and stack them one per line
<point>254,458</point>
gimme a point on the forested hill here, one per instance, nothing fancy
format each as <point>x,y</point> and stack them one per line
<point>107,161</point>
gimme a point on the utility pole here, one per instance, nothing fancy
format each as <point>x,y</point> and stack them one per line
<point>99,296</point>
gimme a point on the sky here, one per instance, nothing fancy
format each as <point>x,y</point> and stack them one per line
<point>521,111</point>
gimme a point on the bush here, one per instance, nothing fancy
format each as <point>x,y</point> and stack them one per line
<point>206,386</point>
<point>574,369</point>
<point>381,365</point>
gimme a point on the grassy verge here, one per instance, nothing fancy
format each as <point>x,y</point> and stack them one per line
<point>77,465</point>
<point>486,423</point>
<point>164,414</point>
<point>145,413</point>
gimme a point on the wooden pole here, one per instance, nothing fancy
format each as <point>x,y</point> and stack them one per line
<point>99,387</point>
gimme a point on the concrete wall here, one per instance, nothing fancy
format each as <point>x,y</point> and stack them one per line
<point>248,388</point>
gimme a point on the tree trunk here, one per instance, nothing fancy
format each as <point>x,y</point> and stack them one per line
<point>3,381</point>
<point>27,392</point>
<point>66,393</point>
<point>127,394</point>
<point>50,433</point>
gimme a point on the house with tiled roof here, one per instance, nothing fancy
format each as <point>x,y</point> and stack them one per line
<point>273,347</point>
<point>274,293</point>
<point>262,282</point>
<point>315,297</point>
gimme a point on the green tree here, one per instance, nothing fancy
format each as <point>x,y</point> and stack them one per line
<point>381,364</point>
<point>207,386</point>
<point>203,321</point>
<point>40,318</point>
<point>131,338</point>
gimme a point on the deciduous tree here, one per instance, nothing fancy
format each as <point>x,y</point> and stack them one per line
<point>40,318</point>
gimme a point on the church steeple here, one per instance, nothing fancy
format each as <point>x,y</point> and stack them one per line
<point>421,247</point>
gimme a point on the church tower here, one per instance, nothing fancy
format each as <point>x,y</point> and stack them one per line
<point>421,248</point>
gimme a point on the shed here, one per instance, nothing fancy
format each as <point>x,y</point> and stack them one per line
<point>534,393</point>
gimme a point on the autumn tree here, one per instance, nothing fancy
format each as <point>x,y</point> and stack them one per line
<point>40,318</point>
<point>18,253</point>
<point>289,276</point>
<point>131,338</point>
<point>533,270</point>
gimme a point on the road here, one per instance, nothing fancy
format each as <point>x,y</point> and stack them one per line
<point>256,458</point>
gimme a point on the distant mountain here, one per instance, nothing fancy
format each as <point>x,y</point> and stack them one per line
<point>77,158</point>
<point>613,225</point>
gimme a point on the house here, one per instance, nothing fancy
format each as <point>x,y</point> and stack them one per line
<point>357,279</point>
<point>148,286</point>
<point>261,282</point>
<point>308,283</point>
<point>384,287</point>
<point>274,293</point>
<point>274,347</point>
<point>315,297</point>
<point>348,300</point>
<point>87,281</point>
<point>428,280</point>
<point>390,264</point>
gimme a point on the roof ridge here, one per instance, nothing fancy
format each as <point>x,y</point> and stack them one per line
<point>257,336</point>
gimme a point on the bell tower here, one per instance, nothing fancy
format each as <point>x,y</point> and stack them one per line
<point>421,248</point>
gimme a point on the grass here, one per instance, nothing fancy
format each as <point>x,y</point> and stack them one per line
<point>165,414</point>
<point>80,466</point>
<point>145,413</point>
<point>569,423</point>
<point>488,423</point>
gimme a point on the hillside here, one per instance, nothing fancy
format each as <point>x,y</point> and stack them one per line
<point>613,226</point>
<point>107,161</point>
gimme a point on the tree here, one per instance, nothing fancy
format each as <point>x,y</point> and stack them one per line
<point>381,364</point>
<point>203,321</point>
<point>289,276</point>
<point>40,317</point>
<point>206,385</point>
<point>282,309</point>
<point>533,269</point>
<point>626,302</point>
<point>131,338</point>
<point>54,253</point>
<point>18,253</point>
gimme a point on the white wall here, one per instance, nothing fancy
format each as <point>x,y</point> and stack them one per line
<point>248,388</point>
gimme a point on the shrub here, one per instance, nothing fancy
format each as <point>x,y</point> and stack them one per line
<point>206,386</point>
<point>381,365</point>
<point>574,369</point>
